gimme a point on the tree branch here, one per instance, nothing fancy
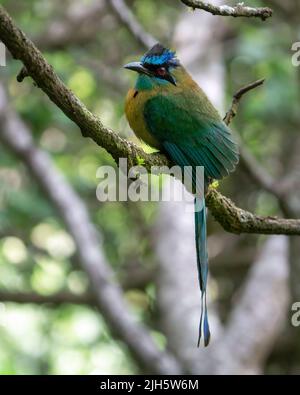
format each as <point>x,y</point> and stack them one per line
<point>236,220</point>
<point>240,10</point>
<point>231,113</point>
<point>91,126</point>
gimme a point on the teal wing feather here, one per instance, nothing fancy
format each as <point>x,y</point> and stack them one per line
<point>202,139</point>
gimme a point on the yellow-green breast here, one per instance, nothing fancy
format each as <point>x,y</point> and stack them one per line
<point>134,110</point>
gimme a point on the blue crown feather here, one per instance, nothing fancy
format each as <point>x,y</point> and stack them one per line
<point>159,55</point>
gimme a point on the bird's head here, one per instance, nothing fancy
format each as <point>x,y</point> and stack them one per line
<point>157,65</point>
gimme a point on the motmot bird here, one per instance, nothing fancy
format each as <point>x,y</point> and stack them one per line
<point>169,111</point>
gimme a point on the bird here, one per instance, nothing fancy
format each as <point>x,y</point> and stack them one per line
<point>167,110</point>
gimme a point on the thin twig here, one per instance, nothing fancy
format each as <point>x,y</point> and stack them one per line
<point>240,10</point>
<point>249,163</point>
<point>231,113</point>
<point>23,73</point>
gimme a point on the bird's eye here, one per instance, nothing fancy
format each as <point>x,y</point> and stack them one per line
<point>161,71</point>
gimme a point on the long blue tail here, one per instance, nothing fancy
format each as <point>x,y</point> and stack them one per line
<point>202,264</point>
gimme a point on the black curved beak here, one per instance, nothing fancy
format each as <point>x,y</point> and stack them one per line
<point>138,67</point>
